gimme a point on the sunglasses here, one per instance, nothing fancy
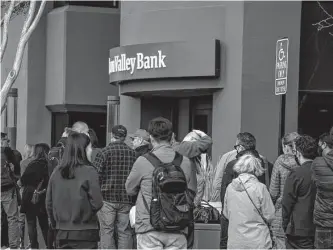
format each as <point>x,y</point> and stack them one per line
<point>236,146</point>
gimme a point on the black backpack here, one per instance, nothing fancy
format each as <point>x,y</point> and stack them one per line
<point>55,156</point>
<point>170,208</point>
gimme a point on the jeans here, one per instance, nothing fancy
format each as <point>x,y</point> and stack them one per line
<point>111,216</point>
<point>224,232</point>
<point>10,206</point>
<point>160,240</point>
<point>324,238</point>
<point>22,227</point>
<point>32,227</point>
<point>280,242</point>
<point>299,242</point>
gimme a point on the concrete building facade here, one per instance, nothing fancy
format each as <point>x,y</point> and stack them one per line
<point>211,67</point>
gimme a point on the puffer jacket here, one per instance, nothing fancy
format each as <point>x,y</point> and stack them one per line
<point>322,168</point>
<point>282,167</point>
<point>247,230</point>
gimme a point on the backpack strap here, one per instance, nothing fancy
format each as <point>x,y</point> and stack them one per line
<point>152,158</point>
<point>177,161</point>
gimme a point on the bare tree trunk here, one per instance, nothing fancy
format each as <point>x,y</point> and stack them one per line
<point>5,29</point>
<point>28,28</point>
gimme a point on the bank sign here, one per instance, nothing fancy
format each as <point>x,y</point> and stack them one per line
<point>165,60</point>
<point>120,63</point>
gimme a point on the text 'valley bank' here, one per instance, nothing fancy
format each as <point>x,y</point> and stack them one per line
<point>121,62</point>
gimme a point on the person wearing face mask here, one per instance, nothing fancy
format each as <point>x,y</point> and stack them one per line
<point>282,167</point>
<point>322,168</point>
<point>245,144</point>
<point>141,142</point>
<point>299,196</point>
<point>74,197</point>
<point>114,164</point>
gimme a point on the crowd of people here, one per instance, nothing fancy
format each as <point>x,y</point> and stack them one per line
<point>84,196</point>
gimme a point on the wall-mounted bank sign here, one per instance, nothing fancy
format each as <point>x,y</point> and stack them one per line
<point>165,60</point>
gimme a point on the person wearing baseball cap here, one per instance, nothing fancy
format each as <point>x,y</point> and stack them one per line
<point>114,164</point>
<point>141,142</point>
<point>322,168</point>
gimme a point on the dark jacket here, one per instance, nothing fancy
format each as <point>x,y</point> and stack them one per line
<point>323,176</point>
<point>72,204</point>
<point>13,157</point>
<point>298,202</point>
<point>229,173</point>
<point>36,172</point>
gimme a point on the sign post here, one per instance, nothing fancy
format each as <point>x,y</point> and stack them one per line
<point>281,77</point>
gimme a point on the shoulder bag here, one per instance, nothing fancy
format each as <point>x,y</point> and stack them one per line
<point>36,196</point>
<point>261,215</point>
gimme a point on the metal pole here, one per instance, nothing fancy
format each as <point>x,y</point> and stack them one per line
<point>12,116</point>
<point>112,115</point>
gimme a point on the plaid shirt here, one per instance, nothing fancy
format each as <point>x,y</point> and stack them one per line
<point>114,163</point>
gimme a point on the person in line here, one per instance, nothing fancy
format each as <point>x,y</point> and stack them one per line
<point>193,146</point>
<point>10,172</point>
<point>141,142</point>
<point>74,197</point>
<point>28,156</point>
<point>322,168</point>
<point>94,144</point>
<point>57,151</point>
<point>35,179</point>
<point>245,144</point>
<point>80,127</point>
<point>244,199</point>
<point>220,167</point>
<point>299,196</point>
<point>139,183</point>
<point>114,164</point>
<point>282,167</point>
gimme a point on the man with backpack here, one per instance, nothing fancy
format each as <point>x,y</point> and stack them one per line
<point>10,196</point>
<point>165,183</point>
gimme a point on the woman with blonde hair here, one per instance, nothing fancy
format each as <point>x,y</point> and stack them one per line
<point>248,207</point>
<point>282,167</point>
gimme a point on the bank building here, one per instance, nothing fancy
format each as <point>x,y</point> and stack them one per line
<point>223,67</point>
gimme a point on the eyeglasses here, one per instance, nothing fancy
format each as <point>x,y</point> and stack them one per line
<point>236,146</point>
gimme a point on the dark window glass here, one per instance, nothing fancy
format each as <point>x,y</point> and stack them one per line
<point>103,4</point>
<point>315,113</point>
<point>316,46</point>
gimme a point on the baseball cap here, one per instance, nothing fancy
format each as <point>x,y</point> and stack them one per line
<point>119,131</point>
<point>141,133</point>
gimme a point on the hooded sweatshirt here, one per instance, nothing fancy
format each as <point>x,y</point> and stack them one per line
<point>323,176</point>
<point>247,230</point>
<point>282,167</point>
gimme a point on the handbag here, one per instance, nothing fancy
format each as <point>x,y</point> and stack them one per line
<point>206,213</point>
<point>36,195</point>
<point>262,217</point>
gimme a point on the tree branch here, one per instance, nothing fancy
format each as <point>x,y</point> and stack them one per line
<point>20,51</point>
<point>5,29</point>
<point>30,16</point>
<point>3,6</point>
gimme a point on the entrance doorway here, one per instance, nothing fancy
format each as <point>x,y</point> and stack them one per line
<point>201,114</point>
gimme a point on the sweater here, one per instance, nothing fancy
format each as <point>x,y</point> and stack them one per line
<point>72,204</point>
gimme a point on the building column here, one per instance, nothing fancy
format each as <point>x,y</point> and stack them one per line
<point>130,113</point>
<point>112,115</point>
<point>12,116</point>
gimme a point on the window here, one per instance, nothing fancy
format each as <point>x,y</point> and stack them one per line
<point>101,4</point>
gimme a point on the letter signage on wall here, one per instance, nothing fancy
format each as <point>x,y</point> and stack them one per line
<point>165,60</point>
